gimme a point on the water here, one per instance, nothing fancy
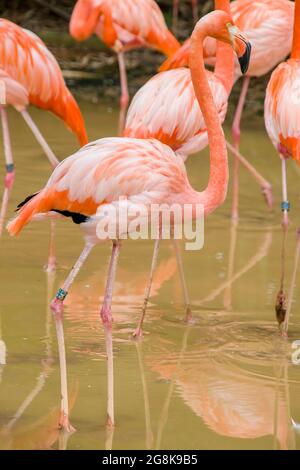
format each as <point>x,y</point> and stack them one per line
<point>225,382</point>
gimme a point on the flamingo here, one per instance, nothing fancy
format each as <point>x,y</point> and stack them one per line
<point>268,26</point>
<point>123,26</point>
<point>176,11</point>
<point>166,108</point>
<point>29,74</point>
<point>89,184</point>
<point>282,120</point>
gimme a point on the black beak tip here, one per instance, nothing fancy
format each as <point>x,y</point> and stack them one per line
<point>245,59</point>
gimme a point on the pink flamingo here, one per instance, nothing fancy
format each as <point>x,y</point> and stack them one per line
<point>166,108</point>
<point>176,11</point>
<point>123,26</point>
<point>29,74</point>
<point>268,26</point>
<point>282,119</point>
<point>88,184</point>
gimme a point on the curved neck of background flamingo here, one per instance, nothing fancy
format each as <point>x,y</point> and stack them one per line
<point>224,68</point>
<point>215,193</point>
<point>296,39</point>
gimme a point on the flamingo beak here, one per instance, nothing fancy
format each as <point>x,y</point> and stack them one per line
<point>241,46</point>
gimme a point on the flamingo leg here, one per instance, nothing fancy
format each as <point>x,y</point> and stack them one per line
<point>266,187</point>
<point>292,288</point>
<point>227,299</point>
<point>10,174</point>
<point>138,331</point>
<point>57,303</point>
<point>51,264</point>
<point>107,320</point>
<point>175,15</point>
<point>183,282</point>
<point>64,423</point>
<point>39,137</point>
<point>236,135</point>
<point>124,92</point>
<point>280,306</point>
<point>195,10</point>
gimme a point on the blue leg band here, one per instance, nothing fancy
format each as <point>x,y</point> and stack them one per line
<point>10,168</point>
<point>61,294</point>
<point>285,206</point>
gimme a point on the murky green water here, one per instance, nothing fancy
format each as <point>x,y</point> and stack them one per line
<point>226,382</point>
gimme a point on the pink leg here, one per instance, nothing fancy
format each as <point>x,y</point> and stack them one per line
<point>292,289</point>
<point>195,10</point>
<point>107,320</point>
<point>266,187</point>
<point>280,306</point>
<point>10,174</point>
<point>51,265</point>
<point>39,137</point>
<point>175,16</point>
<point>236,134</point>
<point>188,310</point>
<point>138,331</point>
<point>64,422</point>
<point>124,92</point>
<point>57,304</point>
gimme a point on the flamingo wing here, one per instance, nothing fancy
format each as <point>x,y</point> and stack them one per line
<point>15,94</point>
<point>282,109</point>
<point>25,58</point>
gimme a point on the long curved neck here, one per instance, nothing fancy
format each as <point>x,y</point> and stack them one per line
<point>215,193</point>
<point>296,39</point>
<point>224,68</point>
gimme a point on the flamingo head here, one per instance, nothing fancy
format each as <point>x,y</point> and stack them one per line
<point>85,18</point>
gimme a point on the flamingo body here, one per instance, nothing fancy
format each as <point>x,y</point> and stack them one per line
<point>123,25</point>
<point>282,110</point>
<point>166,108</point>
<point>27,62</point>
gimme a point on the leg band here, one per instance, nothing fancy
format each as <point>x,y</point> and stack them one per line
<point>285,206</point>
<point>61,294</point>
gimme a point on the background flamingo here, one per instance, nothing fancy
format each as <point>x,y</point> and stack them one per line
<point>282,119</point>
<point>268,26</point>
<point>123,26</point>
<point>30,74</point>
<point>166,108</point>
<point>86,185</point>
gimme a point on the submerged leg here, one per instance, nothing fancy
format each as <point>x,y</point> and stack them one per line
<point>292,289</point>
<point>124,92</point>
<point>236,134</point>
<point>138,331</point>
<point>280,306</point>
<point>64,423</point>
<point>186,296</point>
<point>39,137</point>
<point>57,304</point>
<point>107,320</point>
<point>51,264</point>
<point>10,174</point>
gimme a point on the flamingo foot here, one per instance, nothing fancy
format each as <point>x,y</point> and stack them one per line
<point>280,307</point>
<point>9,179</point>
<point>268,195</point>
<point>64,424</point>
<point>138,333</point>
<point>189,319</point>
